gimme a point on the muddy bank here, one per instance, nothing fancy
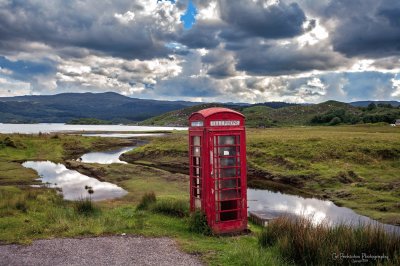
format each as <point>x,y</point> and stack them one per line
<point>74,150</point>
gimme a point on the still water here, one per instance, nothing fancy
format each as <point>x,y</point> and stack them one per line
<point>274,204</point>
<point>73,183</point>
<point>105,157</point>
<point>124,135</point>
<point>55,127</point>
<point>264,202</point>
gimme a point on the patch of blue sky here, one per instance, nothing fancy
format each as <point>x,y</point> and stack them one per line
<point>22,69</point>
<point>177,48</point>
<point>189,17</point>
<point>172,1</point>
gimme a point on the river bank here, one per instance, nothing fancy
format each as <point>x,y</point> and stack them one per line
<point>353,166</point>
<point>28,213</point>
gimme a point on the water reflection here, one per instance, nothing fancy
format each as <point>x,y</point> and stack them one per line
<point>126,135</point>
<point>58,127</point>
<point>105,157</point>
<point>72,183</point>
<point>274,204</point>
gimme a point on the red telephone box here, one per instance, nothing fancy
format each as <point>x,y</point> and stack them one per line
<point>217,154</point>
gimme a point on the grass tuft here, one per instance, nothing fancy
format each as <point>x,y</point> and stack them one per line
<point>146,200</point>
<point>198,223</point>
<point>177,208</point>
<point>307,244</point>
<point>85,207</point>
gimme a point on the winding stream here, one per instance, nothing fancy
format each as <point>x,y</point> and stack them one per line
<point>274,204</point>
<point>105,157</point>
<point>74,185</point>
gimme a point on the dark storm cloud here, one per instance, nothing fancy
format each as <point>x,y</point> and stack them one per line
<point>89,24</point>
<point>275,21</point>
<point>287,59</point>
<point>370,29</point>
<point>202,35</point>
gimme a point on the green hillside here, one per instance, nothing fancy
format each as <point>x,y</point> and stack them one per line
<point>264,116</point>
<point>177,118</point>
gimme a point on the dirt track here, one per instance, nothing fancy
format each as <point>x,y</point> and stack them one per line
<point>113,250</point>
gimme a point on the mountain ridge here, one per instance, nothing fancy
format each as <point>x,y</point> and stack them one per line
<point>112,107</point>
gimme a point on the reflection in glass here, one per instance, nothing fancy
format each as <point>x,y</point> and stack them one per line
<point>196,140</point>
<point>226,140</point>
<point>228,172</point>
<point>227,183</point>
<point>229,194</point>
<point>196,151</point>
<point>227,151</point>
<point>227,162</point>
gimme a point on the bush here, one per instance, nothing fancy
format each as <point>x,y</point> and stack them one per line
<point>85,207</point>
<point>21,205</point>
<point>178,208</point>
<point>147,200</point>
<point>198,223</point>
<point>335,121</point>
<point>8,142</point>
<point>308,244</point>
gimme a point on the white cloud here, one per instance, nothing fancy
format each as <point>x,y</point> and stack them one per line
<point>396,87</point>
<point>9,88</point>
<point>5,71</point>
<point>109,73</point>
<point>125,18</point>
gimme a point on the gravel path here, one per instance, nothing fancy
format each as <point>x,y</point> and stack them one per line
<point>113,250</point>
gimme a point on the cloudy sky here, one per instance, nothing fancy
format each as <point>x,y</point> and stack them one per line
<point>203,50</point>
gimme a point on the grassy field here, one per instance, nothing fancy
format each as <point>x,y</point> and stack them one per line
<point>359,173</point>
<point>355,166</point>
<point>28,213</point>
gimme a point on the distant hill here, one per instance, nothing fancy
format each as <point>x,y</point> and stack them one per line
<point>366,103</point>
<point>260,115</point>
<point>180,117</point>
<point>62,108</point>
<point>275,105</point>
<point>109,107</point>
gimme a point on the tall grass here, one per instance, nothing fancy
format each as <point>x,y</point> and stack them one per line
<point>85,207</point>
<point>198,223</point>
<point>307,244</point>
<point>177,208</point>
<point>146,200</point>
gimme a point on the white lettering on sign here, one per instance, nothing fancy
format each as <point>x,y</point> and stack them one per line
<point>225,123</point>
<point>197,124</point>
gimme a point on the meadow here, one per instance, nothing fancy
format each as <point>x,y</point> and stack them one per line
<point>355,166</point>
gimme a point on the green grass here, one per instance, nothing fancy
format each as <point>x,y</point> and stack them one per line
<point>359,173</point>
<point>355,166</point>
<point>176,208</point>
<point>147,200</point>
<point>307,244</point>
<point>28,213</point>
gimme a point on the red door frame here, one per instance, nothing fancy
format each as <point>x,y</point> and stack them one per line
<point>240,223</point>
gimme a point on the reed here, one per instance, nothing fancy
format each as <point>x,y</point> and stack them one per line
<point>307,244</point>
<point>146,200</point>
<point>177,208</point>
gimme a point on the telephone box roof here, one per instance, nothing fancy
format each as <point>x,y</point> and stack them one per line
<point>214,110</point>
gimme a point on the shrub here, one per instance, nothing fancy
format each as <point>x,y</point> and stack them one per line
<point>21,205</point>
<point>335,121</point>
<point>85,207</point>
<point>8,142</point>
<point>147,200</point>
<point>198,223</point>
<point>307,244</point>
<point>178,208</point>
